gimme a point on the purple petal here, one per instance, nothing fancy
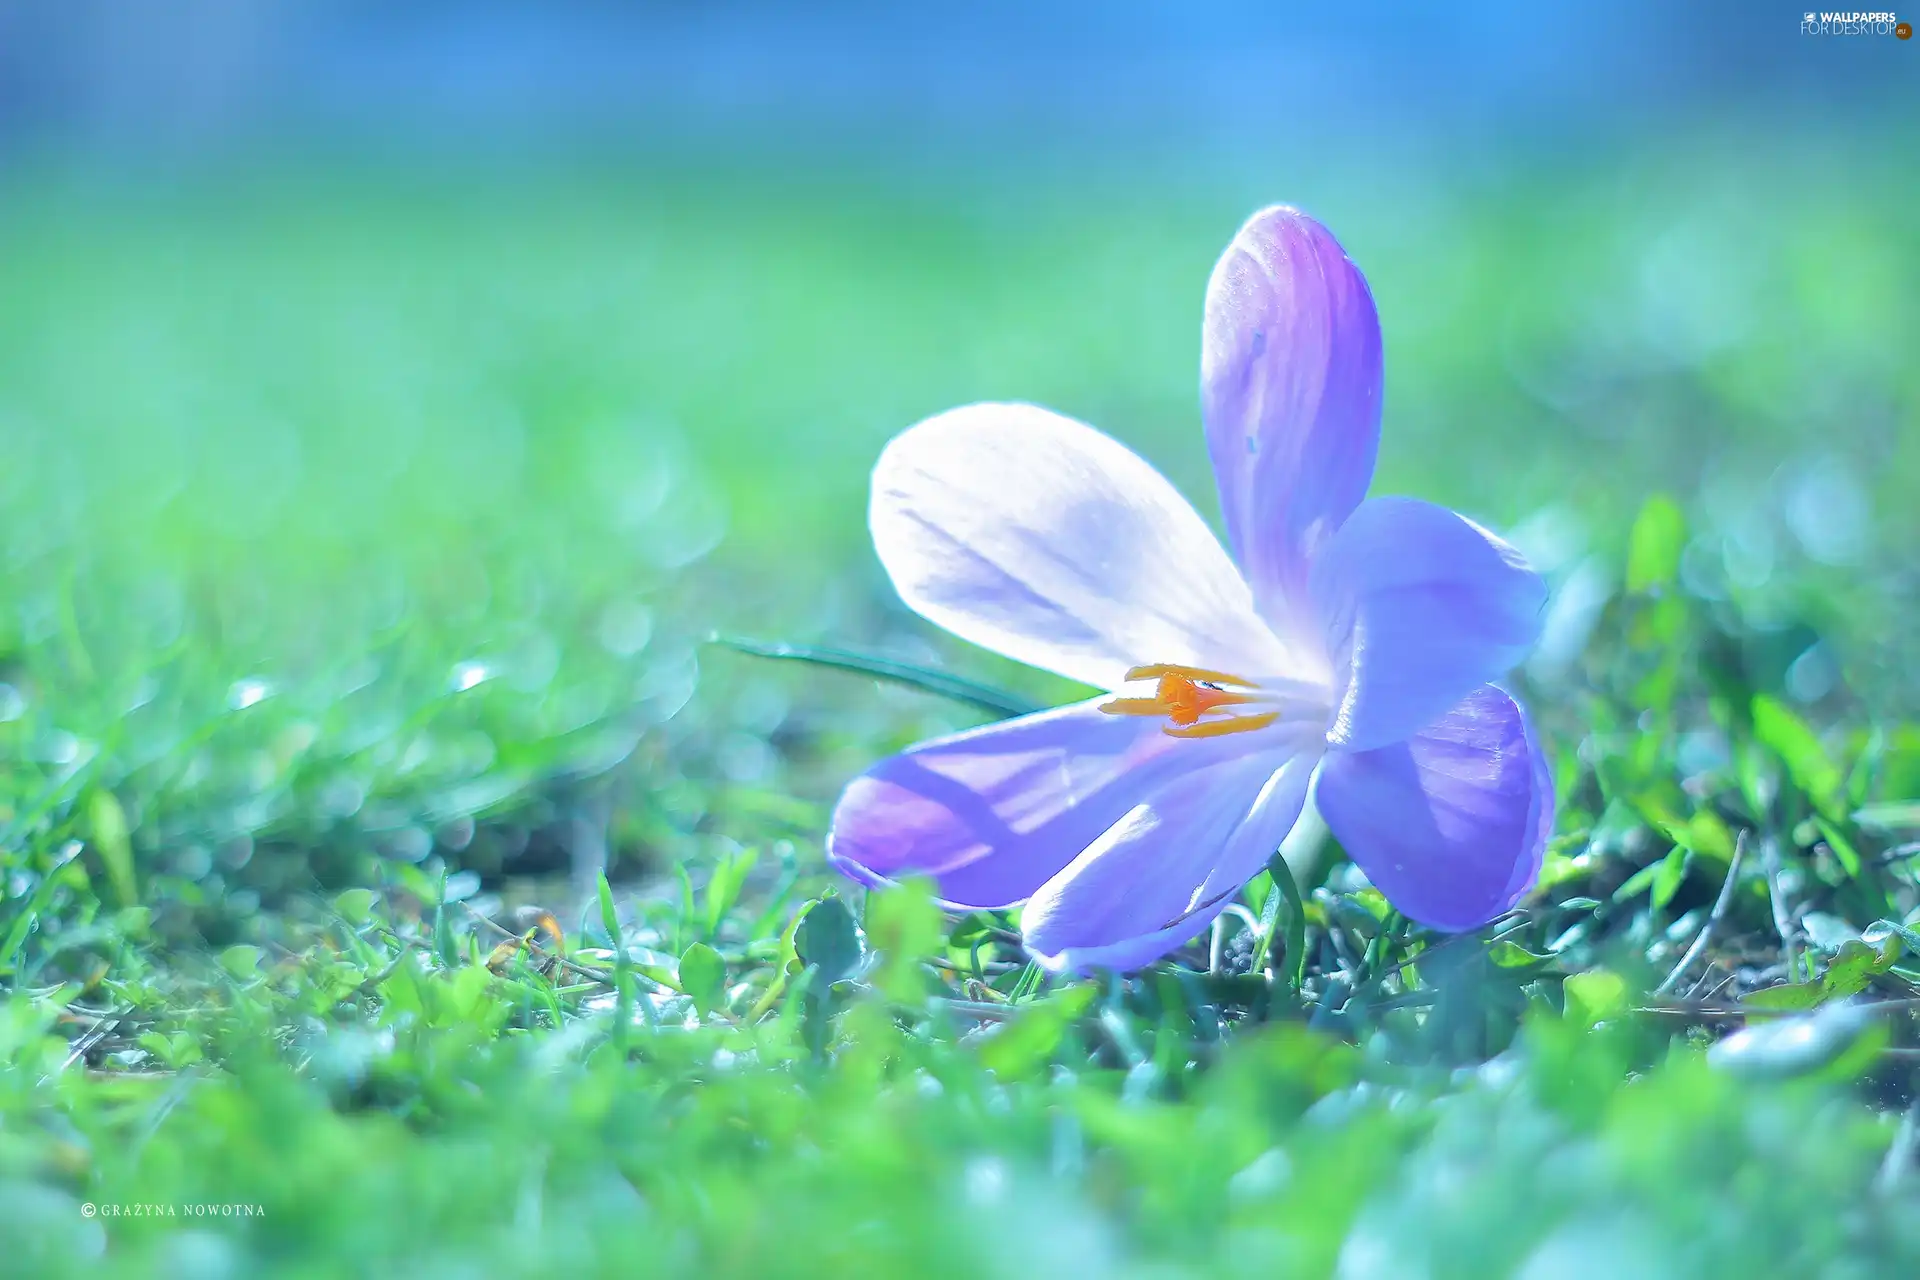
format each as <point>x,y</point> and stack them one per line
<point>1136,952</point>
<point>1290,393</point>
<point>1450,824</point>
<point>1161,874</point>
<point>1040,538</point>
<point>1420,605</point>
<point>993,813</point>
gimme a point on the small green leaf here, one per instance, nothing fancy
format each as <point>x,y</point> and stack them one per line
<point>111,840</point>
<point>703,977</point>
<point>176,1051</point>
<point>242,961</point>
<point>1843,851</point>
<point>1669,873</point>
<point>1704,834</point>
<point>609,918</point>
<point>414,881</point>
<point>1883,933</point>
<point>1354,915</point>
<point>723,889</point>
<point>1024,1045</point>
<point>1639,882</point>
<point>1654,548</point>
<point>1788,737</point>
<point>1374,901</point>
<point>1791,997</point>
<point>1568,858</point>
<point>904,926</point>
<point>829,939</point>
<point>1857,963</point>
<point>355,905</point>
<point>1595,996</point>
<point>1507,954</point>
<point>976,927</point>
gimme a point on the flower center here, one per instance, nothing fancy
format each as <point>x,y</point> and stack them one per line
<point>1186,696</point>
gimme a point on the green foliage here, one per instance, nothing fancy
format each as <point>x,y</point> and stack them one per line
<point>1595,996</point>
<point>1028,1042</point>
<point>1655,546</point>
<point>109,826</point>
<point>904,926</point>
<point>1794,742</point>
<point>703,978</point>
<point>828,940</point>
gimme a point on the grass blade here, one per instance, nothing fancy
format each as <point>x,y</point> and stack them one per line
<point>1296,923</point>
<point>939,683</point>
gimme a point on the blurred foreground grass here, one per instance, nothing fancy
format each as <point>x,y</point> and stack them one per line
<point>357,540</point>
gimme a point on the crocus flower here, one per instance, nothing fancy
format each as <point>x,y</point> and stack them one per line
<point>1342,642</point>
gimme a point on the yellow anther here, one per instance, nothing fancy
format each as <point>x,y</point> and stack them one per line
<point>1220,728</point>
<point>1134,707</point>
<point>1160,669</point>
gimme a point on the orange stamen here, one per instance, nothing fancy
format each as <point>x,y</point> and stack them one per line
<point>1187,700</point>
<point>1185,694</point>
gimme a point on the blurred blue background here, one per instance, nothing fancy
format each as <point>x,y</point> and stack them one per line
<point>493,78</point>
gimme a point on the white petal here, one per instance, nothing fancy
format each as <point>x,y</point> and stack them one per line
<point>1040,538</point>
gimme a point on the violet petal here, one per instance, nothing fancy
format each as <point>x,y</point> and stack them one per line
<point>1290,373</point>
<point>1421,606</point>
<point>1451,824</point>
<point>1168,867</point>
<point>993,813</point>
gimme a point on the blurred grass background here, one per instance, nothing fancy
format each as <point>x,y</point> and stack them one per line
<point>391,405</point>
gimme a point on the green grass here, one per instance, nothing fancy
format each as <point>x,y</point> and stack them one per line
<point>358,541</point>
